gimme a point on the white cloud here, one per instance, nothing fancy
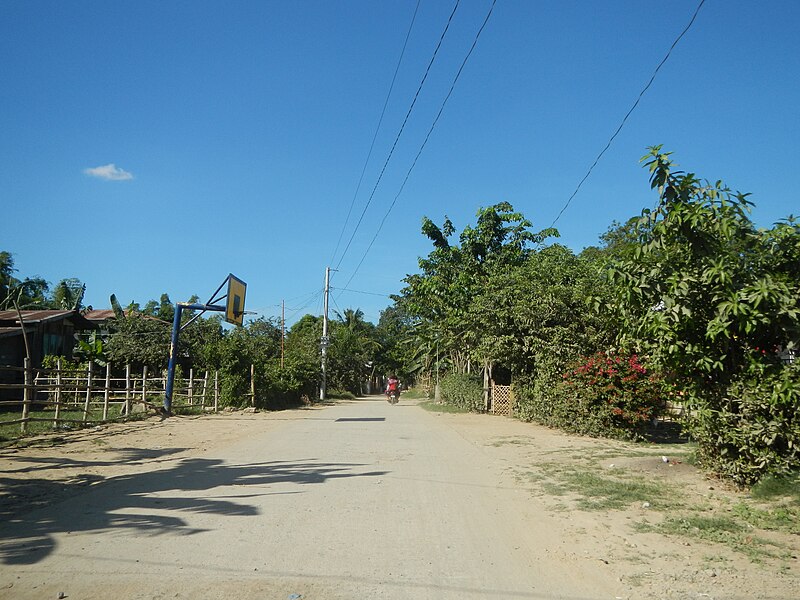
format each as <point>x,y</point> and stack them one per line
<point>110,172</point>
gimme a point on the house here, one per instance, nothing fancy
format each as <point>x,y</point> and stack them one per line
<point>47,332</point>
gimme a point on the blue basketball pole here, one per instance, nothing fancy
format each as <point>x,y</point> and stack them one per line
<point>234,313</point>
<point>173,358</point>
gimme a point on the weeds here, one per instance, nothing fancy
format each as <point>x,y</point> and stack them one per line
<point>414,394</point>
<point>744,526</point>
<point>772,488</point>
<point>431,406</point>
<point>726,530</point>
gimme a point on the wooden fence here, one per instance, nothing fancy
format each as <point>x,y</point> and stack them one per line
<point>95,394</point>
<point>502,400</point>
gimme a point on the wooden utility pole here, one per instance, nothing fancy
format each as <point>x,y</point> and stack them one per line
<point>324,341</point>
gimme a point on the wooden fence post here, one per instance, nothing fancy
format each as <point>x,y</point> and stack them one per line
<point>252,384</point>
<point>26,396</point>
<point>88,391</point>
<point>107,391</point>
<point>58,394</point>
<point>191,386</point>
<point>128,390</point>
<point>216,391</point>
<point>144,386</point>
<point>205,390</point>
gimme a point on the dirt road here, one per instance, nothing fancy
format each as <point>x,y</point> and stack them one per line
<point>356,500</point>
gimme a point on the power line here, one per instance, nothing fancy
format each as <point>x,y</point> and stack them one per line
<point>375,136</point>
<point>400,132</point>
<point>316,296</point>
<point>625,118</point>
<point>425,141</point>
<point>306,295</point>
<point>338,310</point>
<point>360,292</point>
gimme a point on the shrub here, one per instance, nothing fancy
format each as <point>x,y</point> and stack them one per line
<point>462,390</point>
<point>755,430</point>
<point>601,395</point>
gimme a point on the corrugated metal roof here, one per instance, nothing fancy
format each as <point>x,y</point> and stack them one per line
<point>99,315</point>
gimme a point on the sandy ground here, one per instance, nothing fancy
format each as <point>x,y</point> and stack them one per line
<point>353,500</point>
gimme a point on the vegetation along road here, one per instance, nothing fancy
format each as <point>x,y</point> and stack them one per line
<point>361,499</point>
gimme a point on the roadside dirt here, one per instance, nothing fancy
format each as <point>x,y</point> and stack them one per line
<point>559,479</point>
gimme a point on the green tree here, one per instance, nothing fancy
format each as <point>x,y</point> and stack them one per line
<point>352,352</point>
<point>28,293</point>
<point>68,294</point>
<point>713,300</point>
<point>441,296</point>
<point>397,351</point>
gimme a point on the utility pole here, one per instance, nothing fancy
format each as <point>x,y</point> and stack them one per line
<point>325,340</point>
<point>283,327</point>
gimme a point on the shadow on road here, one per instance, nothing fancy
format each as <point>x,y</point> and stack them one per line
<point>139,501</point>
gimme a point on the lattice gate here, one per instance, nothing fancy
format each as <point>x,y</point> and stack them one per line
<point>502,400</point>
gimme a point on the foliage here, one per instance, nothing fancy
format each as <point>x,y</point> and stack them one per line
<point>34,292</point>
<point>68,294</point>
<point>535,318</point>
<point>713,301</point>
<point>440,297</point>
<point>397,352</point>
<point>601,395</point>
<point>27,293</point>
<point>139,340</point>
<point>433,406</point>
<point>351,354</point>
<point>462,390</point>
<point>256,344</point>
<point>755,428</point>
<point>91,348</point>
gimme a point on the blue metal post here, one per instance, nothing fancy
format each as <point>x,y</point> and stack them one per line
<point>173,358</point>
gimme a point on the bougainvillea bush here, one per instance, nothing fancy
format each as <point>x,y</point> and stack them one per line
<point>606,395</point>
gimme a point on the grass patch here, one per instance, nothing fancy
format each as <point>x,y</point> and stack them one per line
<point>737,528</point>
<point>12,432</point>
<point>512,441</point>
<point>442,408</point>
<point>774,488</point>
<point>727,530</point>
<point>341,395</point>
<point>414,394</point>
<point>775,518</point>
<point>598,492</point>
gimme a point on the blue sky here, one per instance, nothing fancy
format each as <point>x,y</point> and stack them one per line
<point>238,131</point>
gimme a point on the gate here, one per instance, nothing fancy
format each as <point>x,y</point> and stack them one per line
<point>502,400</point>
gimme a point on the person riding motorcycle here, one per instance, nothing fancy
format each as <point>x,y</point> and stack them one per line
<point>392,388</point>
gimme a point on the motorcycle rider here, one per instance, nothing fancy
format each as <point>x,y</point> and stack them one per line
<point>392,387</point>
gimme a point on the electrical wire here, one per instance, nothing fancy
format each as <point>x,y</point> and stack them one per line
<point>311,300</point>
<point>425,141</point>
<point>625,118</point>
<point>375,136</point>
<point>360,292</point>
<point>338,311</point>
<point>400,132</point>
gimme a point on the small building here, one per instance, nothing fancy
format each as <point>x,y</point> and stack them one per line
<point>48,332</point>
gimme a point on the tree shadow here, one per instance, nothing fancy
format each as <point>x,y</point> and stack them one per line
<point>667,432</point>
<point>128,456</point>
<point>138,501</point>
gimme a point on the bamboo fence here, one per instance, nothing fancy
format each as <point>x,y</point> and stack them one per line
<point>99,394</point>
